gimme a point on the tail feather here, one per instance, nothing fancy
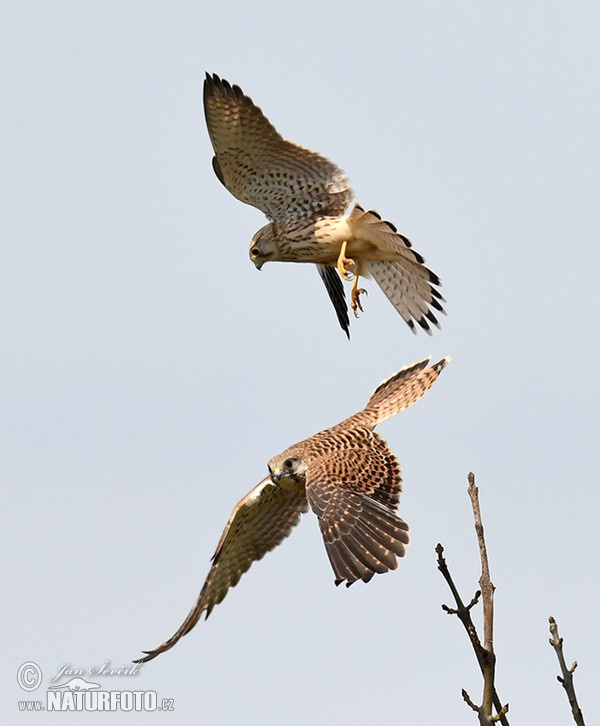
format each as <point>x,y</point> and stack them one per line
<point>397,268</point>
<point>382,235</point>
<point>401,390</point>
<point>408,287</point>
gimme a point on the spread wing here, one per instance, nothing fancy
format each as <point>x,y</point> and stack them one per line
<point>259,522</point>
<point>355,493</point>
<point>285,181</point>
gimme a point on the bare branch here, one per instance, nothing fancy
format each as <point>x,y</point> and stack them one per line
<point>502,712</point>
<point>467,700</point>
<point>485,583</point>
<point>484,653</point>
<point>567,673</point>
<point>474,601</point>
<point>487,591</point>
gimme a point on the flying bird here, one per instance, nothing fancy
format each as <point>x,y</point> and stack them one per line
<point>305,197</point>
<point>349,478</point>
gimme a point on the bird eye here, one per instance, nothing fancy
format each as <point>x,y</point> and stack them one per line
<point>254,252</point>
<point>288,463</point>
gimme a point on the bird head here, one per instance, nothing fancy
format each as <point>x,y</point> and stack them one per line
<point>288,470</point>
<point>263,245</point>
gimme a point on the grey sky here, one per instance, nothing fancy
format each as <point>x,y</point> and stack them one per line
<point>149,372</point>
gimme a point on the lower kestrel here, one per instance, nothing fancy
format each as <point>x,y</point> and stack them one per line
<point>347,476</point>
<point>305,197</point>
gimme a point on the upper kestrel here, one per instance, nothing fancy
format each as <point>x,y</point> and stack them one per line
<point>349,478</point>
<point>305,196</point>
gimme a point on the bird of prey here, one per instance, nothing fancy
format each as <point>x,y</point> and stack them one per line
<point>305,197</point>
<point>349,478</point>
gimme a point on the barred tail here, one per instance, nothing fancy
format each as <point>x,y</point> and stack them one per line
<point>399,270</point>
<point>402,390</point>
<point>409,286</point>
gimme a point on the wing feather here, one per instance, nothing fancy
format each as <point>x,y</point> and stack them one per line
<point>261,168</point>
<point>335,290</point>
<point>259,522</point>
<point>354,493</point>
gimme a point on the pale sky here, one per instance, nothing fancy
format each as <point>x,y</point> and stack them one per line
<point>149,372</point>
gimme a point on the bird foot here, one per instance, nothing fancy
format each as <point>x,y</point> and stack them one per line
<point>356,304</point>
<point>344,263</point>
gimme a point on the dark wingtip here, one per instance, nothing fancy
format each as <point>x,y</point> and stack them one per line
<point>237,91</point>
<point>345,326</point>
<point>335,290</point>
<point>213,83</point>
<point>207,89</point>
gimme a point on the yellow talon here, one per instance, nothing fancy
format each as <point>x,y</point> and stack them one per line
<point>344,262</point>
<point>355,297</point>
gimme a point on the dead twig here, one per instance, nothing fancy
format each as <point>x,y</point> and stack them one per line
<point>567,673</point>
<point>484,653</point>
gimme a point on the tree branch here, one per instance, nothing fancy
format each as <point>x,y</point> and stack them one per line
<point>485,583</point>
<point>567,673</point>
<point>487,591</point>
<point>484,653</point>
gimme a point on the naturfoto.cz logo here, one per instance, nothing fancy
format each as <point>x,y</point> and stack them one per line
<point>79,694</point>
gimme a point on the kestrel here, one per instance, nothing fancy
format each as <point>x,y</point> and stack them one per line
<point>305,197</point>
<point>349,478</point>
